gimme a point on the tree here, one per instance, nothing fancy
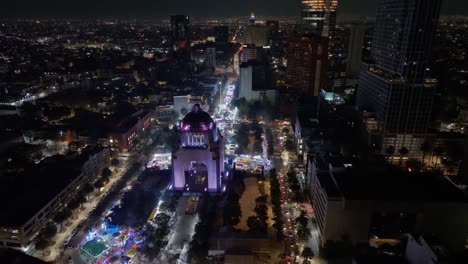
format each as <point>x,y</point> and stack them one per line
<point>302,219</point>
<point>425,148</point>
<point>87,189</point>
<point>390,151</point>
<point>232,211</point>
<point>303,233</point>
<point>307,253</point>
<point>115,162</point>
<point>106,172</point>
<point>257,225</point>
<point>73,204</point>
<point>42,244</point>
<point>438,151</point>
<point>262,199</point>
<point>81,200</point>
<point>261,211</point>
<point>289,145</point>
<point>403,151</point>
<point>49,231</point>
<point>98,184</point>
<point>62,215</point>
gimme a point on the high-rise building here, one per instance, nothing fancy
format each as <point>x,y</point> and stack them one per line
<point>198,160</point>
<point>180,28</point>
<point>273,28</point>
<point>221,34</point>
<point>319,15</point>
<point>254,82</point>
<point>250,52</point>
<point>256,35</point>
<point>396,87</point>
<point>210,58</point>
<point>307,61</point>
<point>355,46</point>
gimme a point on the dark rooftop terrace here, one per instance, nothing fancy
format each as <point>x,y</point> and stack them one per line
<point>24,194</point>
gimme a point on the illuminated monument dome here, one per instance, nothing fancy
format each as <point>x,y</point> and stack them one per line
<point>198,160</point>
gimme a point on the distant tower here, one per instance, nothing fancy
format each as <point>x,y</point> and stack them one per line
<point>252,17</point>
<point>252,14</point>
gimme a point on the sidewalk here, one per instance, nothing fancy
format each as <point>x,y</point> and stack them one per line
<point>79,215</point>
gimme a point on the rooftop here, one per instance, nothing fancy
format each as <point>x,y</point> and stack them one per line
<point>94,247</point>
<point>23,194</point>
<point>390,183</point>
<point>197,120</point>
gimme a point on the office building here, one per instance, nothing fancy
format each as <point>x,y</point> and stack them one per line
<point>307,61</point>
<point>319,16</point>
<point>396,87</point>
<point>180,29</point>
<point>221,34</point>
<point>250,52</point>
<point>273,29</point>
<point>126,131</point>
<point>210,58</point>
<point>198,161</point>
<point>373,203</point>
<point>29,207</point>
<point>254,82</point>
<point>256,35</point>
<point>355,47</point>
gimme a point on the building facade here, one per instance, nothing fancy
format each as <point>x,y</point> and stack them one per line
<point>397,86</point>
<point>221,34</point>
<point>307,61</point>
<point>23,226</point>
<point>367,205</point>
<point>125,132</point>
<point>319,16</point>
<point>256,35</point>
<point>355,46</point>
<point>180,29</point>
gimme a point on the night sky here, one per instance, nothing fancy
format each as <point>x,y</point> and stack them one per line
<point>163,8</point>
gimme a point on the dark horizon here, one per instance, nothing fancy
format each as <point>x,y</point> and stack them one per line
<point>146,9</point>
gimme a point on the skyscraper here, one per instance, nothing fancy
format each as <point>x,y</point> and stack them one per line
<point>257,35</point>
<point>221,34</point>
<point>319,15</point>
<point>180,29</point>
<point>355,46</point>
<point>396,87</point>
<point>307,60</point>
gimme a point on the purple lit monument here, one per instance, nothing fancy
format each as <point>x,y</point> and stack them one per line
<point>198,160</point>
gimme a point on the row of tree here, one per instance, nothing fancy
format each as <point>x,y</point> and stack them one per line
<point>295,186</point>
<point>275,193</point>
<point>50,229</point>
<point>258,223</point>
<point>155,237</point>
<point>199,245</point>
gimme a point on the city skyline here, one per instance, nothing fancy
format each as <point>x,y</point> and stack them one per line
<point>146,9</point>
<point>254,131</point>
